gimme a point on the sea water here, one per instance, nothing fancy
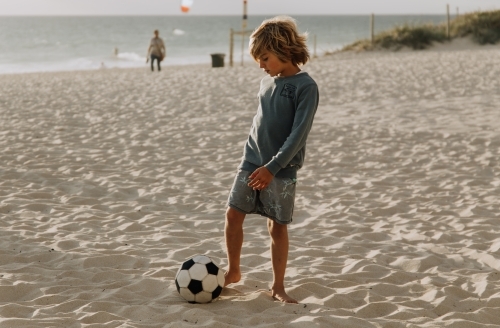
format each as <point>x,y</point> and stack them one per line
<point>37,44</point>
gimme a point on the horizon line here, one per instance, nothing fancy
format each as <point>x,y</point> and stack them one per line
<point>230,15</point>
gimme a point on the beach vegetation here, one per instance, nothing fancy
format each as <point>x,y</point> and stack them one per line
<point>481,27</point>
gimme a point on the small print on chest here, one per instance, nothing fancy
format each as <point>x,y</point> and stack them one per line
<point>288,91</point>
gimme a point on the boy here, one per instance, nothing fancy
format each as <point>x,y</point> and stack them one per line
<point>275,149</point>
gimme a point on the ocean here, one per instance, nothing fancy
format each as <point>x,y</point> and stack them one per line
<point>38,44</point>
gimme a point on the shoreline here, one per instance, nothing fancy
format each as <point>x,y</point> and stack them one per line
<point>458,44</point>
<point>108,69</point>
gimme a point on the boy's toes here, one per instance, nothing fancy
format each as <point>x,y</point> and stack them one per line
<point>283,297</point>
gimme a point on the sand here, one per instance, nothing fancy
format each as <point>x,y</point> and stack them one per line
<point>110,179</point>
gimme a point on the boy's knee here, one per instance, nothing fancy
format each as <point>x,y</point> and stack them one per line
<point>276,229</point>
<point>234,216</point>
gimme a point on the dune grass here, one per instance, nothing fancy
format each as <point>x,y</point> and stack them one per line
<point>482,27</point>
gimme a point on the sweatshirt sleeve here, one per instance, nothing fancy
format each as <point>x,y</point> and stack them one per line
<point>307,105</point>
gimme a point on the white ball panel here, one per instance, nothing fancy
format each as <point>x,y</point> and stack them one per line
<point>187,295</point>
<point>183,278</point>
<point>198,271</point>
<point>209,283</point>
<point>203,297</point>
<point>202,259</point>
<point>220,278</point>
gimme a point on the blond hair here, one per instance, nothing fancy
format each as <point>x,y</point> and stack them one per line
<point>280,36</point>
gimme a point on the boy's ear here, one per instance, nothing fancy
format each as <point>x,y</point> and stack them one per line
<point>283,55</point>
<point>288,55</point>
<point>289,59</point>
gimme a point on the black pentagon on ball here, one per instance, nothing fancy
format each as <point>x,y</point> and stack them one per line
<point>195,286</point>
<point>187,265</point>
<point>216,292</point>
<point>177,285</point>
<point>212,268</point>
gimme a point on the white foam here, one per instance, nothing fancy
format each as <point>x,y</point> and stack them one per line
<point>177,31</point>
<point>123,60</point>
<point>131,56</point>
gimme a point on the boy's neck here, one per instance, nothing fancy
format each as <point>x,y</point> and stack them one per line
<point>290,71</point>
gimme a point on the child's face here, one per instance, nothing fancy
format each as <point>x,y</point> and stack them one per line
<point>273,66</point>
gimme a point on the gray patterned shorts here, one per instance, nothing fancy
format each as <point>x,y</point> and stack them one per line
<point>276,201</point>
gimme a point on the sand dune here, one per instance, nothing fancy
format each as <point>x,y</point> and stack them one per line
<point>110,179</point>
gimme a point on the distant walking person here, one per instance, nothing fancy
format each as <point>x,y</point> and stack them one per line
<point>156,51</point>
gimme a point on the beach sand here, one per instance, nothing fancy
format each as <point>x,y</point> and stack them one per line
<point>110,179</point>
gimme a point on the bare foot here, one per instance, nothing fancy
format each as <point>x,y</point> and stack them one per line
<point>282,296</point>
<point>231,277</point>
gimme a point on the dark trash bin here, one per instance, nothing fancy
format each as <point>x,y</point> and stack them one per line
<point>218,60</point>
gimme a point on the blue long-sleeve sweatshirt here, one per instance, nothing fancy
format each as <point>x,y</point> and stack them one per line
<point>278,135</point>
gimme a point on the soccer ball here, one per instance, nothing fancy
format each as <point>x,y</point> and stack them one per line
<point>199,280</point>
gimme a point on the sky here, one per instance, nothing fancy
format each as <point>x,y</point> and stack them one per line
<point>234,7</point>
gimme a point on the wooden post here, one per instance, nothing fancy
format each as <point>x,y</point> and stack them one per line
<point>243,29</point>
<point>231,46</point>
<point>457,13</point>
<point>315,55</point>
<point>448,18</point>
<point>372,28</point>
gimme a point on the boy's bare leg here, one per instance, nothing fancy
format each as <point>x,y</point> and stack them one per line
<point>279,258</point>
<point>233,233</point>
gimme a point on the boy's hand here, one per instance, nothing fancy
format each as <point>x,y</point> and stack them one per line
<point>260,178</point>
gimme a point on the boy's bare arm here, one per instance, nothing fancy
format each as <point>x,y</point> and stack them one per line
<point>260,178</point>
